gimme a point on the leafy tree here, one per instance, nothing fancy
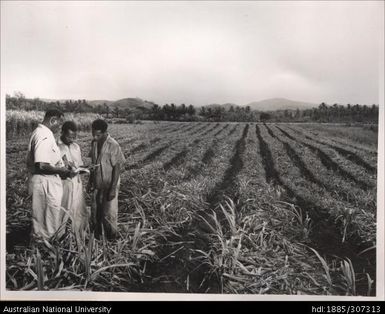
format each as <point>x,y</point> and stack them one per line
<point>264,116</point>
<point>191,110</point>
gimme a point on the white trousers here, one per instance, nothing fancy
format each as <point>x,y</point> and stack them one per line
<point>73,202</point>
<point>47,216</point>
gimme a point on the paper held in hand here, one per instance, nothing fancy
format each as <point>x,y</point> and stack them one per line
<point>81,170</point>
<point>85,169</point>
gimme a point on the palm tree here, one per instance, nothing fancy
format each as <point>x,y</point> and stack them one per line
<point>191,110</point>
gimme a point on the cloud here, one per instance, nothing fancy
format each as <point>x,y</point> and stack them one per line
<point>204,52</point>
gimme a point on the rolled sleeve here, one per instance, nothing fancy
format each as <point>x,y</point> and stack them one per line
<point>43,151</point>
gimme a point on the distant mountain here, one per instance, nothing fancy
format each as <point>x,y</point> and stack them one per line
<point>92,103</point>
<point>138,104</point>
<point>134,104</point>
<point>131,103</point>
<point>270,105</point>
<point>95,103</point>
<point>280,104</point>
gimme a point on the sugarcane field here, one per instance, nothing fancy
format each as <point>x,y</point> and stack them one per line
<point>262,208</point>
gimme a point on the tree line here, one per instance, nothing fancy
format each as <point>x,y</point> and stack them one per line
<point>326,113</point>
<point>20,102</point>
<point>171,112</point>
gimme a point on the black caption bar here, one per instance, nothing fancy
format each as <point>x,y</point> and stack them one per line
<point>310,307</point>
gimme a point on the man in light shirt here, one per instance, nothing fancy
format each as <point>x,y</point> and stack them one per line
<point>104,181</point>
<point>45,171</point>
<point>73,198</point>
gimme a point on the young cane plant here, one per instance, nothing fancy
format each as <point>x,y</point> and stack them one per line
<point>347,217</point>
<point>349,276</point>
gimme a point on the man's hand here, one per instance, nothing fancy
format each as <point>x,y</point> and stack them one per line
<point>72,173</point>
<point>64,173</point>
<point>111,194</point>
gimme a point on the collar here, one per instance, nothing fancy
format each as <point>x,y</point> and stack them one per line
<point>60,142</point>
<point>45,127</point>
<point>108,139</point>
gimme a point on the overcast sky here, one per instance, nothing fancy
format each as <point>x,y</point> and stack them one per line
<point>193,52</point>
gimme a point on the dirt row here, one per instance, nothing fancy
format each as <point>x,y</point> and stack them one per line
<point>325,236</point>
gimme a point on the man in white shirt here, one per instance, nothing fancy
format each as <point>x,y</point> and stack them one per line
<point>45,168</point>
<point>73,197</point>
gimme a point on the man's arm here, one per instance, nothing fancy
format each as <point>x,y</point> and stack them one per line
<point>114,182</point>
<point>46,168</point>
<point>43,148</point>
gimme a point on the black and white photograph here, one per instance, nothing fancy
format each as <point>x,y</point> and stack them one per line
<point>192,150</point>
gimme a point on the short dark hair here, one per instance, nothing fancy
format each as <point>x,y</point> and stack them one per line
<point>69,125</point>
<point>53,113</point>
<point>100,125</point>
